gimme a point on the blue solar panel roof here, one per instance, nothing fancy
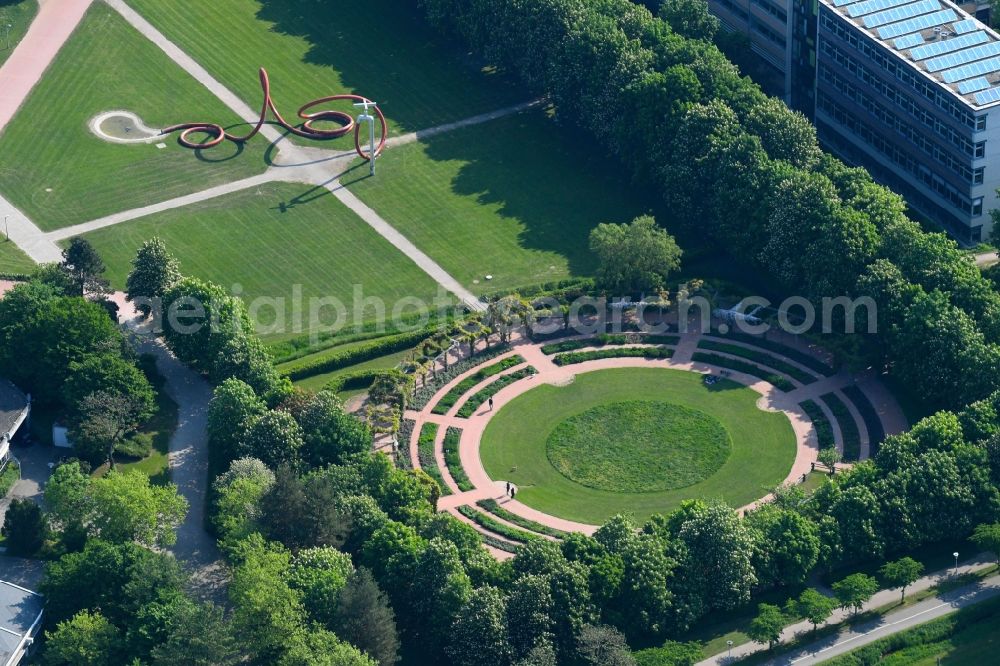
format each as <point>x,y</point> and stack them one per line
<point>972,69</point>
<point>962,27</point>
<point>948,45</point>
<point>908,41</point>
<point>972,85</point>
<point>900,13</point>
<point>918,23</point>
<point>988,96</point>
<point>869,6</point>
<point>961,57</point>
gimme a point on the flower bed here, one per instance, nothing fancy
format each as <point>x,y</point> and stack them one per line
<point>492,506</point>
<point>619,352</point>
<point>425,451</point>
<point>490,390</point>
<point>453,460</point>
<point>759,357</point>
<point>489,523</point>
<point>824,431</point>
<point>848,428</point>
<point>449,399</point>
<point>779,382</point>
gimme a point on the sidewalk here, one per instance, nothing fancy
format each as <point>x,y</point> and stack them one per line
<point>855,637</point>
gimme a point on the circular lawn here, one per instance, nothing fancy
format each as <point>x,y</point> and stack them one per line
<point>636,440</point>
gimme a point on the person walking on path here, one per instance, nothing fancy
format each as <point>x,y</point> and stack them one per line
<point>513,492</point>
<point>491,404</point>
<point>508,488</point>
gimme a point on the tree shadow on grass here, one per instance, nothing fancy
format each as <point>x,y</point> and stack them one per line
<point>385,51</point>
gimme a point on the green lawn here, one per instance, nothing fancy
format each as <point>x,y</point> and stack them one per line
<point>514,198</point>
<point>269,243</point>
<point>18,14</point>
<point>317,382</point>
<point>59,173</point>
<point>380,49</point>
<point>513,446</point>
<point>12,259</point>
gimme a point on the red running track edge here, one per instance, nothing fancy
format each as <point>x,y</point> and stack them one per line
<point>347,124</point>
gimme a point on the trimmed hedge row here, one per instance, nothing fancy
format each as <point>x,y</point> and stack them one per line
<point>810,362</point>
<point>449,399</point>
<point>492,506</point>
<point>423,395</point>
<point>824,431</point>
<point>848,428</point>
<point>425,452</point>
<point>779,382</point>
<point>316,364</point>
<point>359,379</point>
<point>405,432</point>
<point>453,460</point>
<point>760,357</point>
<point>488,523</point>
<point>606,339</point>
<point>876,434</point>
<point>490,390</point>
<point>618,352</point>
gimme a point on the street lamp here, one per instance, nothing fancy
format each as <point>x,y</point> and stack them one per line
<point>729,644</point>
<point>370,119</point>
<point>9,26</point>
<point>955,555</point>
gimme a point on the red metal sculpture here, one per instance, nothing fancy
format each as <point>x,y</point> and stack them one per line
<point>307,130</point>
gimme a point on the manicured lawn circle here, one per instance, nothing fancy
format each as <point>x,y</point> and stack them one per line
<point>513,447</point>
<point>638,446</point>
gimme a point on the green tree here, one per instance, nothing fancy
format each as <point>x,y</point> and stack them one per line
<point>103,420</point>
<point>671,653</point>
<point>853,591</point>
<point>233,408</point>
<point>274,437</point>
<point>690,18</point>
<point>902,573</point>
<point>201,319</point>
<point>443,587</point>
<point>197,635</point>
<point>320,574</point>
<point>479,635</point>
<point>601,645</point>
<point>829,457</point>
<point>66,494</point>
<point>814,606</point>
<point>85,266</point>
<point>88,639</point>
<point>635,257</point>
<point>315,646</point>
<point>330,434</point>
<point>23,527</point>
<point>154,271</point>
<point>790,545</point>
<point>364,618</point>
<point>987,537</point>
<point>111,373</point>
<point>767,626</point>
<point>127,507</point>
<point>238,494</point>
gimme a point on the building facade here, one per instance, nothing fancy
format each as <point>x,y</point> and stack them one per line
<point>14,410</point>
<point>909,89</point>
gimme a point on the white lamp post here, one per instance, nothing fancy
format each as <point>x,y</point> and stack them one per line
<point>955,555</point>
<point>729,644</point>
<point>370,119</point>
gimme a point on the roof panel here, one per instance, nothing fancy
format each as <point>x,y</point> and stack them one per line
<point>949,45</point>
<point>918,23</point>
<point>972,69</point>
<point>869,6</point>
<point>909,41</point>
<point>972,85</point>
<point>988,96</point>
<point>901,13</point>
<point>962,27</point>
<point>962,57</point>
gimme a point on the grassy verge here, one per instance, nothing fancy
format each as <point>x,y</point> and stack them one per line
<point>779,382</point>
<point>824,431</point>
<point>453,460</point>
<point>569,358</point>
<point>12,260</point>
<point>342,356</point>
<point>18,15</point>
<point>106,65</point>
<point>449,399</point>
<point>492,506</point>
<point>481,396</point>
<point>848,428</point>
<point>425,451</point>
<point>759,357</point>
<point>9,477</point>
<point>488,523</point>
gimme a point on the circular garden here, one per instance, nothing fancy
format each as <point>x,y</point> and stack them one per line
<point>637,440</point>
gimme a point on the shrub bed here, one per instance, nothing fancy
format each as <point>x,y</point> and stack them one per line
<point>453,460</point>
<point>779,382</point>
<point>760,357</point>
<point>619,352</point>
<point>876,434</point>
<point>359,379</point>
<point>487,392</point>
<point>335,359</point>
<point>405,433</point>
<point>489,523</point>
<point>606,339</point>
<point>492,506</point>
<point>449,399</point>
<point>824,431</point>
<point>848,428</point>
<point>422,395</point>
<point>425,452</point>
<point>810,362</point>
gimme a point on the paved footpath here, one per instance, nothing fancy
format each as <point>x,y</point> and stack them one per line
<point>850,638</point>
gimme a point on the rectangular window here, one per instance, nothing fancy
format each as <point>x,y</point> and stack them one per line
<point>980,123</point>
<point>977,176</point>
<point>980,149</point>
<point>977,207</point>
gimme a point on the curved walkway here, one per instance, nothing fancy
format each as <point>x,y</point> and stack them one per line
<point>548,372</point>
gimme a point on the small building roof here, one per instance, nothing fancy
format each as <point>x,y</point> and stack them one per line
<point>20,612</point>
<point>12,404</point>
<point>935,37</point>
